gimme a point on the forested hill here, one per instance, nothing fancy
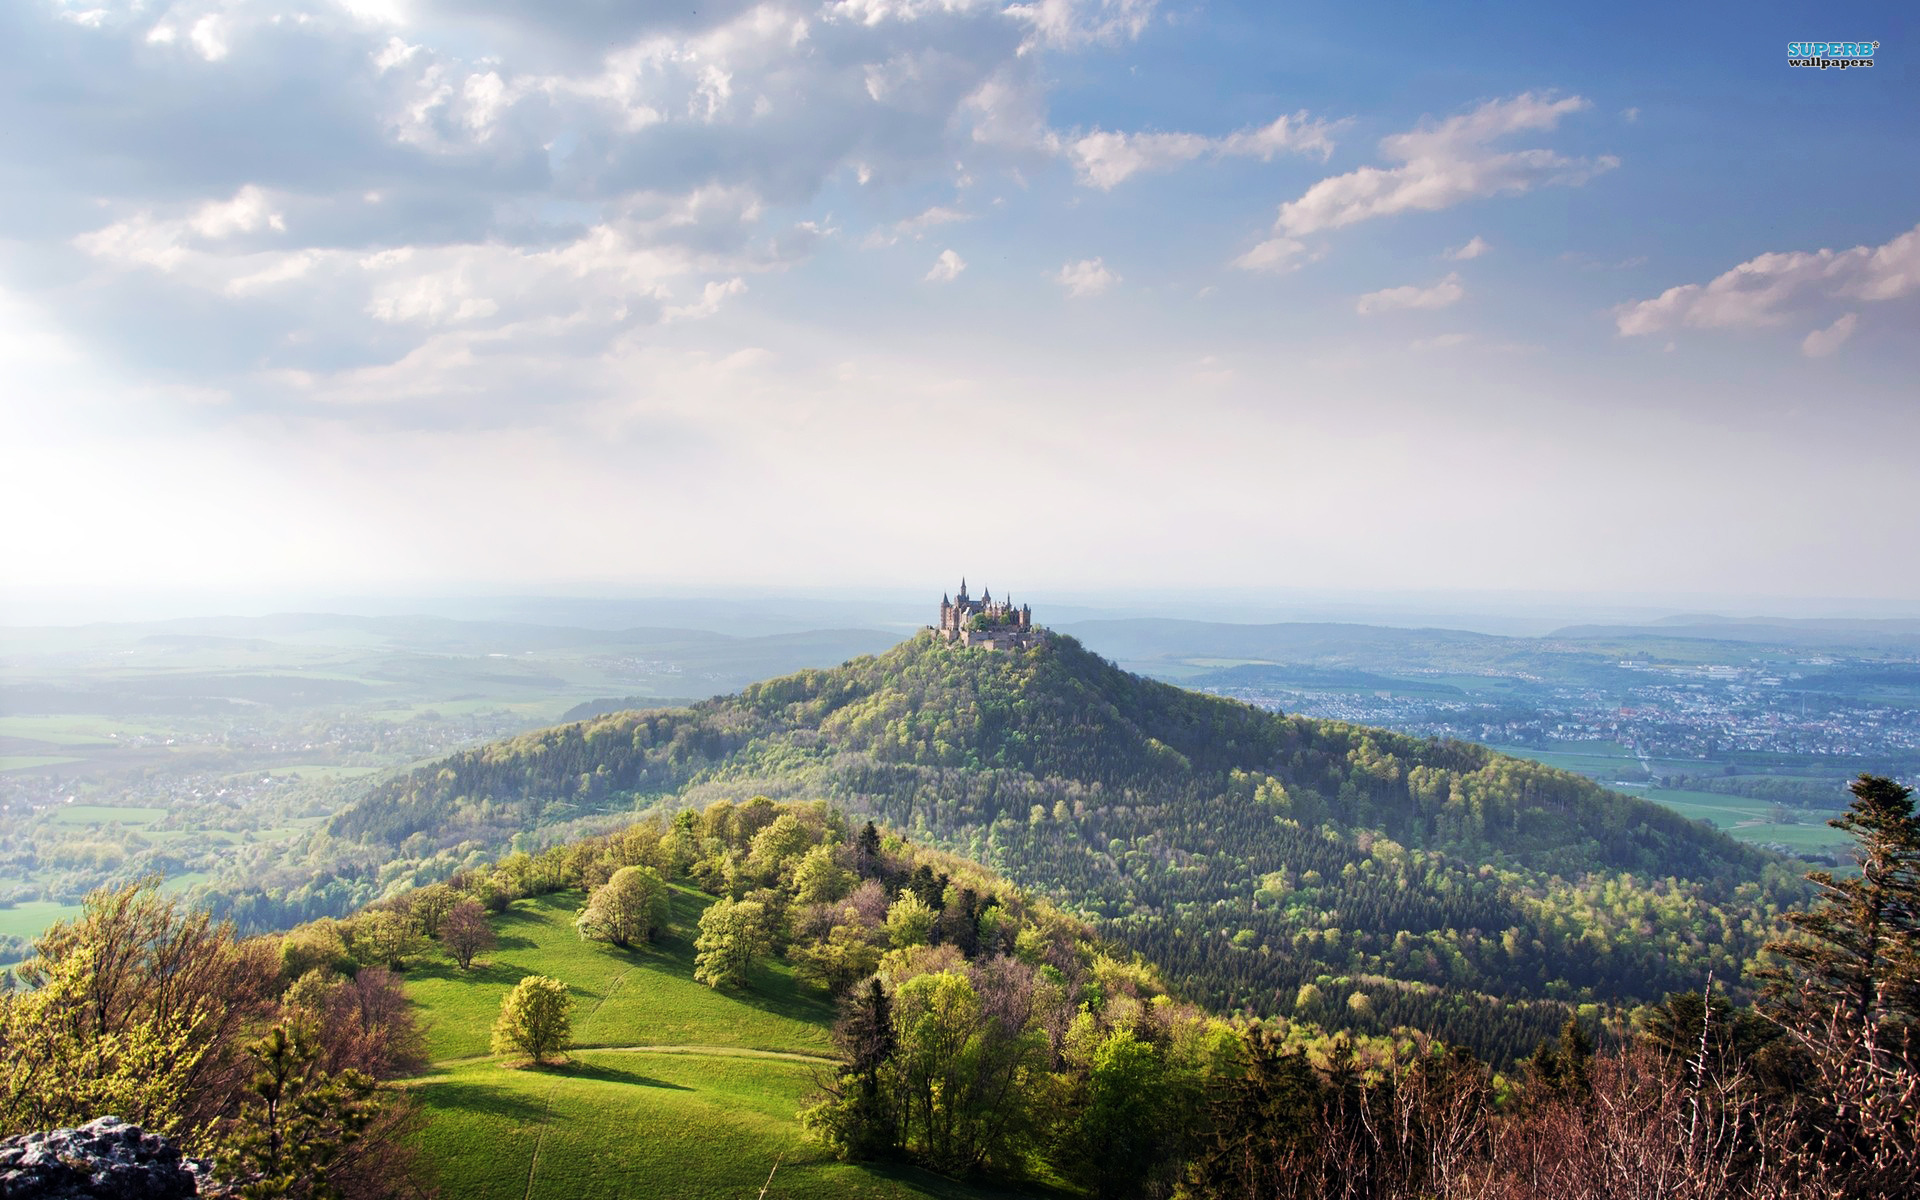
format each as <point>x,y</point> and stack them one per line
<point>1267,862</point>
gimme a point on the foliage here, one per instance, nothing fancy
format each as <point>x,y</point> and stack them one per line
<point>136,1006</point>
<point>145,1010</point>
<point>732,936</point>
<point>1856,953</point>
<point>301,1121</point>
<point>536,1019</point>
<point>627,908</point>
<point>1248,853</point>
<point>464,931</point>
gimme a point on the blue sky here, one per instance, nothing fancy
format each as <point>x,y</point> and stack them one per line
<point>1071,293</point>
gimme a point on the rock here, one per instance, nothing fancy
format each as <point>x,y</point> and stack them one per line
<point>106,1159</point>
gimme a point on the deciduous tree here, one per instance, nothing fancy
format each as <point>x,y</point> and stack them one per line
<point>465,932</point>
<point>536,1019</point>
<point>627,909</point>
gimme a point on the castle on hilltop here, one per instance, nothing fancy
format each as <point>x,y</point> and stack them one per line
<point>985,623</point>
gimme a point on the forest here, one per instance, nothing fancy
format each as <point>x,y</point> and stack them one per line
<point>982,1034</point>
<point>1271,864</point>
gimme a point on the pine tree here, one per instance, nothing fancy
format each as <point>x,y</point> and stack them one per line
<point>1856,959</point>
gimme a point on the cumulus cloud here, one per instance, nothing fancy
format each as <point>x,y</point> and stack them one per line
<point>1103,159</point>
<point>365,186</point>
<point>1822,342</point>
<point>1444,164</point>
<point>946,268</point>
<point>1443,294</point>
<point>1475,247</point>
<point>1773,289</point>
<point>1088,277</point>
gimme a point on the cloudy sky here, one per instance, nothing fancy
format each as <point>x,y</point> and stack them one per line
<point>1066,293</point>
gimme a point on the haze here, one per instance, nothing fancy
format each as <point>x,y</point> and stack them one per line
<point>321,298</point>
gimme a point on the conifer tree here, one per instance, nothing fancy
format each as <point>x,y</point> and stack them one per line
<point>1856,956</point>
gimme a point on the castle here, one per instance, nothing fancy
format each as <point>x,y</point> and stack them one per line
<point>985,623</point>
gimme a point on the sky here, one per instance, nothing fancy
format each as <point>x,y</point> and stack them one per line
<point>415,295</point>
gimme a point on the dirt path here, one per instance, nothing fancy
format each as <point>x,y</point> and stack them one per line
<point>675,1048</point>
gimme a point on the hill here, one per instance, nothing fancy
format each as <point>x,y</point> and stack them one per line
<point>1268,863</point>
<point>672,1088</point>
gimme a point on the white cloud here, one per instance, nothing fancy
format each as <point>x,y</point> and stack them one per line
<point>1103,159</point>
<point>1088,277</point>
<point>1444,341</point>
<point>946,268</point>
<point>1446,164</point>
<point>1275,254</point>
<point>1075,23</point>
<point>915,226</point>
<point>1822,342</point>
<point>1441,295</point>
<point>210,37</point>
<point>1774,288</point>
<point>710,300</point>
<point>1475,247</point>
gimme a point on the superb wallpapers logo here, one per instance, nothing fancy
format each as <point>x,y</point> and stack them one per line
<point>1831,55</point>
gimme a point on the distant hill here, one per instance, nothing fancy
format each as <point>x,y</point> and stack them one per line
<point>1324,642</point>
<point>1808,634</point>
<point>1247,852</point>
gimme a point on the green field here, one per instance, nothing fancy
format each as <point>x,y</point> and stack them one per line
<point>31,918</point>
<point>28,762</point>
<point>132,816</point>
<point>674,1090</point>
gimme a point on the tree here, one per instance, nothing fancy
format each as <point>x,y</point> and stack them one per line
<point>1122,1135</point>
<point>853,1116</point>
<point>137,1007</point>
<point>732,935</point>
<point>1856,958</point>
<point>818,879</point>
<point>431,904</point>
<point>464,931</point>
<point>383,938</point>
<point>909,922</point>
<point>627,909</point>
<point>1846,993</point>
<point>299,1123</point>
<point>536,1019</point>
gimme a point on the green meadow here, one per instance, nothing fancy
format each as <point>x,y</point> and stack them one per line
<point>672,1089</point>
<point>30,918</point>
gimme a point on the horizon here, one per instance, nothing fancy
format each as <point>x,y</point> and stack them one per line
<point>793,610</point>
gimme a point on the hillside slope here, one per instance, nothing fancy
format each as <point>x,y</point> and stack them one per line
<point>1249,853</point>
<point>673,1089</point>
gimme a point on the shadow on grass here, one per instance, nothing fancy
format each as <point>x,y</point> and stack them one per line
<point>482,971</point>
<point>954,1189</point>
<point>579,1069</point>
<point>479,1098</point>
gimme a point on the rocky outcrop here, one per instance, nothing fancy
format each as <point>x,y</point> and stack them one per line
<point>106,1159</point>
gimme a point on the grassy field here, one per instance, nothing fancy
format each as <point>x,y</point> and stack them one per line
<point>673,1089</point>
<point>30,919</point>
<point>132,816</point>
